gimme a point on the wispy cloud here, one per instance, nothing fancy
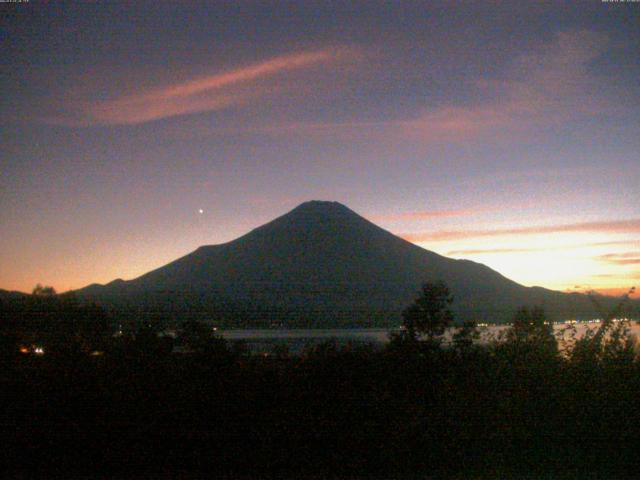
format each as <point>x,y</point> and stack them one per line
<point>627,258</point>
<point>545,87</point>
<point>616,226</point>
<point>484,251</point>
<point>212,92</point>
<point>422,215</point>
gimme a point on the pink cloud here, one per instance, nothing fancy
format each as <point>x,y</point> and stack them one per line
<point>544,87</point>
<point>422,215</point>
<point>547,86</point>
<point>491,251</point>
<point>213,92</point>
<point>483,251</point>
<point>619,226</point>
<point>627,258</point>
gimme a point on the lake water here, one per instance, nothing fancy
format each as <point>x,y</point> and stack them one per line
<point>263,340</point>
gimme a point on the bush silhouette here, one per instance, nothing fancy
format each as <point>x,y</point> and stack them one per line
<point>429,315</point>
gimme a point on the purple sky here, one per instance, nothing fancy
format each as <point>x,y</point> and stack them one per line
<point>503,132</point>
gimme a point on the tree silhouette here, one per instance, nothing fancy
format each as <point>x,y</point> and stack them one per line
<point>465,336</point>
<point>429,315</point>
<point>63,322</point>
<point>43,291</point>
<point>530,339</point>
<point>611,341</point>
<point>531,325</point>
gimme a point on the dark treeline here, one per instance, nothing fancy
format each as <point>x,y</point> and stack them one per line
<point>125,406</point>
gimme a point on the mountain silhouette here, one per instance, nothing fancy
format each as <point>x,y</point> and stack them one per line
<point>322,265</point>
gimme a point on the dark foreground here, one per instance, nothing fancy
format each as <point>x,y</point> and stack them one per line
<point>513,410</point>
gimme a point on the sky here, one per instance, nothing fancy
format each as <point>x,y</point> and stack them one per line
<point>507,133</point>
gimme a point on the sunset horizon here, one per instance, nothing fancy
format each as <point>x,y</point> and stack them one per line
<point>502,133</point>
<point>436,239</point>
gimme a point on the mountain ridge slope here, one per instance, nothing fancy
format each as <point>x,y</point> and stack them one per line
<point>322,264</point>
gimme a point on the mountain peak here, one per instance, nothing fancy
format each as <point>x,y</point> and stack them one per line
<point>317,213</point>
<point>322,206</point>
